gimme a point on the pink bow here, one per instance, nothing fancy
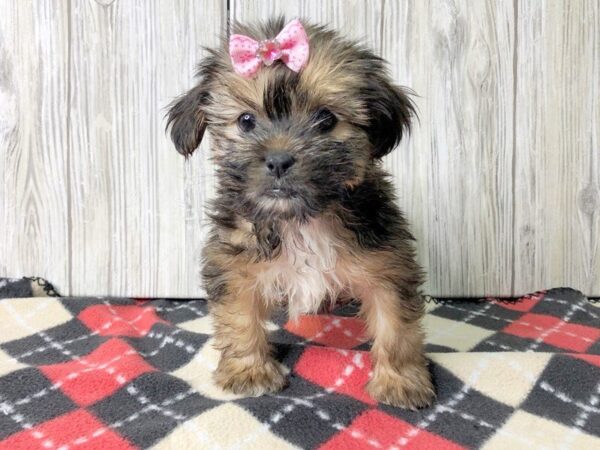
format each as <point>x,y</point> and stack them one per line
<point>290,46</point>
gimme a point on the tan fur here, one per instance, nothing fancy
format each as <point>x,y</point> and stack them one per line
<point>317,264</point>
<point>400,375</point>
<point>247,94</point>
<point>326,228</point>
<point>246,365</point>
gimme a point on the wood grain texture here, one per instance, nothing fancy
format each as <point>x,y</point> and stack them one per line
<point>557,191</point>
<point>136,204</point>
<point>354,18</point>
<point>33,139</point>
<point>454,175</point>
<point>500,178</point>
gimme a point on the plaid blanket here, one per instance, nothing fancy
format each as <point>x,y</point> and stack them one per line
<point>120,373</point>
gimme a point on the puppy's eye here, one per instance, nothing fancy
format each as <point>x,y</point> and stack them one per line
<point>247,122</point>
<point>325,120</point>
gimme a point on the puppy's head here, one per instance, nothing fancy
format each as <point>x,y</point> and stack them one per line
<point>288,144</point>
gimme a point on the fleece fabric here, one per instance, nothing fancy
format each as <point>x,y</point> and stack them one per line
<point>125,373</point>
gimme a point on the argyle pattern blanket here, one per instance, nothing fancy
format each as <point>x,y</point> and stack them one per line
<point>121,373</point>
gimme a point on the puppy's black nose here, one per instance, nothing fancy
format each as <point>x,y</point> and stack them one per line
<point>279,163</point>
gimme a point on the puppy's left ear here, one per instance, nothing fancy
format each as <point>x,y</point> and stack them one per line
<point>391,112</point>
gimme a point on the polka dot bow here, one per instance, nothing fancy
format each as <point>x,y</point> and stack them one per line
<point>290,46</point>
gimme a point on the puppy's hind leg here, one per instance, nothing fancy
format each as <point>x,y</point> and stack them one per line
<point>400,374</point>
<point>246,366</point>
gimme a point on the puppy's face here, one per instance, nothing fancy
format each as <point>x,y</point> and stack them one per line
<point>286,144</point>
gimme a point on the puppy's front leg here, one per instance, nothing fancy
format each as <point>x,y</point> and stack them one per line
<point>400,374</point>
<point>246,366</point>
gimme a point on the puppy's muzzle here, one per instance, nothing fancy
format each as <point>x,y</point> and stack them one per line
<point>279,163</point>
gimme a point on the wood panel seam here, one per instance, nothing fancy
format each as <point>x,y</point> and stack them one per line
<point>69,149</point>
<point>514,145</point>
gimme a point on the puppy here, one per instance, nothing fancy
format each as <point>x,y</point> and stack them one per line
<point>304,214</point>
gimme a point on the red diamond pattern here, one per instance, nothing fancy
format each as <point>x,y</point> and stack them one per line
<point>78,430</point>
<point>554,331</point>
<point>341,371</point>
<point>119,320</point>
<point>335,331</point>
<point>375,429</point>
<point>99,374</point>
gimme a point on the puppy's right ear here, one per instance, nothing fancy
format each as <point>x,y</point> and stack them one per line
<point>187,120</point>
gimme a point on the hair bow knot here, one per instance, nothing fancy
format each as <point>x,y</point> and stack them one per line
<point>290,46</point>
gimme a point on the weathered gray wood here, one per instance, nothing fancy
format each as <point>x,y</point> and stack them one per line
<point>557,195</point>
<point>136,204</point>
<point>454,176</point>
<point>500,177</point>
<point>355,18</point>
<point>33,139</point>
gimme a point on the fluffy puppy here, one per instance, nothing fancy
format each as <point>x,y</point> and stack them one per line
<point>304,213</point>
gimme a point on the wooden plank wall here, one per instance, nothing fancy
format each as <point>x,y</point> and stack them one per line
<point>135,203</point>
<point>500,178</point>
<point>92,194</point>
<point>557,158</point>
<point>34,170</point>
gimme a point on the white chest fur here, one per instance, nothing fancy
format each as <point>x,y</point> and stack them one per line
<point>308,269</point>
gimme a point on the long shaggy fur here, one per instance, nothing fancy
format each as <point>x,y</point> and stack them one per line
<point>327,229</point>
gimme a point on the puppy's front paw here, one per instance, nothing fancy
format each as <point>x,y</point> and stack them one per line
<point>409,388</point>
<point>251,381</point>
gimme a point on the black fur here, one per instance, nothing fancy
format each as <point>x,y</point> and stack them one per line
<point>370,211</point>
<point>391,114</point>
<point>187,120</point>
<point>277,100</point>
<point>336,119</point>
<point>186,116</point>
<point>324,164</point>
